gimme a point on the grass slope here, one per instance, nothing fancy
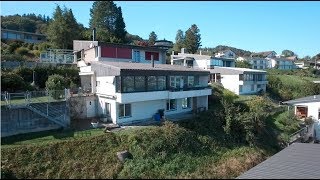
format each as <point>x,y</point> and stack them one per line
<point>168,151</point>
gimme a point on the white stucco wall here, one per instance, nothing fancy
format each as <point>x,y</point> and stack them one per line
<point>231,82</point>
<point>107,85</point>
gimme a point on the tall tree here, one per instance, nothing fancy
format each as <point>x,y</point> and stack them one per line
<point>179,41</point>
<point>192,40</point>
<point>152,38</point>
<point>287,53</point>
<point>63,29</point>
<point>107,18</point>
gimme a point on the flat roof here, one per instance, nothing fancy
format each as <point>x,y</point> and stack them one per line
<point>297,161</point>
<point>147,66</point>
<point>314,98</point>
<point>234,71</point>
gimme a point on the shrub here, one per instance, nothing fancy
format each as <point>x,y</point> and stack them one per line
<point>13,82</point>
<point>22,51</point>
<point>55,84</point>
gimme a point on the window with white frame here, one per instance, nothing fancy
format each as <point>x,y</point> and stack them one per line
<point>252,87</point>
<point>190,81</point>
<point>186,103</point>
<point>171,105</point>
<point>124,110</point>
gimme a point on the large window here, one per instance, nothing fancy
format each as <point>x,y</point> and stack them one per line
<point>186,103</point>
<point>252,87</point>
<point>124,110</point>
<point>139,83</point>
<point>175,81</point>
<point>171,105</point>
<point>161,80</point>
<point>128,83</point>
<point>240,88</point>
<point>152,83</point>
<point>190,81</point>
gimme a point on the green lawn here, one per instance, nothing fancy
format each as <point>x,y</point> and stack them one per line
<point>42,138</point>
<point>43,99</point>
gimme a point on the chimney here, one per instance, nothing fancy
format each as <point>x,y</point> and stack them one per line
<point>152,61</point>
<point>172,52</point>
<point>94,34</point>
<point>314,97</point>
<point>182,50</point>
<point>200,52</point>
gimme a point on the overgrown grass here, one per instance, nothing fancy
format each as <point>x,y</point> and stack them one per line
<point>168,151</point>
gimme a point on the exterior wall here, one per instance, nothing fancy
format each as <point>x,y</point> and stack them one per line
<point>91,108</point>
<point>202,101</point>
<point>89,55</point>
<point>232,83</point>
<point>201,63</point>
<point>146,110</point>
<point>102,100</point>
<point>107,85</point>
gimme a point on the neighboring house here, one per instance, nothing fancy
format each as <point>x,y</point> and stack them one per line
<point>225,54</point>
<point>98,51</point>
<point>239,80</point>
<point>300,65</point>
<point>28,37</point>
<point>128,92</point>
<point>222,70</point>
<point>308,107</point>
<point>201,61</point>
<point>297,161</point>
<point>315,64</point>
<point>268,60</point>
<point>265,54</point>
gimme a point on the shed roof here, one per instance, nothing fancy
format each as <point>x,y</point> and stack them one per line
<point>298,161</point>
<point>314,98</point>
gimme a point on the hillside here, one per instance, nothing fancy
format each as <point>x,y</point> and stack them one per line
<point>169,151</point>
<point>212,51</point>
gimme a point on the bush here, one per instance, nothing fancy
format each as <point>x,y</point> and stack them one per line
<point>12,82</point>
<point>56,84</point>
<point>22,51</point>
<point>12,57</point>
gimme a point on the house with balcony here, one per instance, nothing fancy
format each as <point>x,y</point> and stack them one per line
<point>28,37</point>
<point>201,61</point>
<point>307,107</point>
<point>129,92</point>
<point>224,72</point>
<point>241,81</point>
<point>269,59</point>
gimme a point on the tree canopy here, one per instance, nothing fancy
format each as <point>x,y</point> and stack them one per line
<point>63,29</point>
<point>152,38</point>
<point>179,41</point>
<point>107,18</point>
<point>192,40</point>
<point>287,53</point>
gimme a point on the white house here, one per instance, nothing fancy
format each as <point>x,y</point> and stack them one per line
<point>225,54</point>
<point>201,61</point>
<point>308,107</point>
<point>128,92</point>
<point>222,70</point>
<point>269,59</point>
<point>239,80</point>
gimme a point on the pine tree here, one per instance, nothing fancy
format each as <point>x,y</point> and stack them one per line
<point>152,38</point>
<point>193,39</point>
<point>179,41</point>
<point>107,18</point>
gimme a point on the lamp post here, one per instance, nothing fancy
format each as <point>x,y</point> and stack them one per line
<point>33,83</point>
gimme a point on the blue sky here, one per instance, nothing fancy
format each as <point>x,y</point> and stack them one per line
<point>253,26</point>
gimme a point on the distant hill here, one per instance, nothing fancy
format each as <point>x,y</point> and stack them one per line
<point>212,51</point>
<point>27,22</point>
